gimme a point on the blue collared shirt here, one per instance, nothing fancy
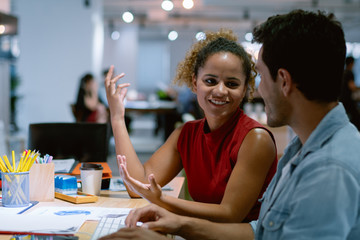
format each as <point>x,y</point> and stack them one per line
<point>321,197</point>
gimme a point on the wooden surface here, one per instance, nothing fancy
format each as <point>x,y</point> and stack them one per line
<point>108,199</point>
<point>41,180</point>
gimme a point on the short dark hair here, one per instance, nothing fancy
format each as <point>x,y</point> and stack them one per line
<point>311,46</point>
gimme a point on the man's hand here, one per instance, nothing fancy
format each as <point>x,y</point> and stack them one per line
<point>137,233</point>
<point>154,218</point>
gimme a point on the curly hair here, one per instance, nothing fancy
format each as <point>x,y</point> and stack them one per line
<point>222,41</point>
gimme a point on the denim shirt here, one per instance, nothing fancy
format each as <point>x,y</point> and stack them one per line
<point>321,198</point>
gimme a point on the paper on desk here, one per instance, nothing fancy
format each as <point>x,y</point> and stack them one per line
<point>90,213</point>
<point>41,224</point>
<point>117,184</point>
<point>15,210</point>
<point>63,165</point>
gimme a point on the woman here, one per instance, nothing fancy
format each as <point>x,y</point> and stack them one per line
<point>88,107</point>
<point>229,159</point>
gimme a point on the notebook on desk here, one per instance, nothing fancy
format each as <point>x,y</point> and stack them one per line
<point>64,165</point>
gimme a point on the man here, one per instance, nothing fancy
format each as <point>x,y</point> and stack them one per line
<point>315,193</point>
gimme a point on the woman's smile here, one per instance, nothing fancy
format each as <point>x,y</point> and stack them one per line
<point>218,102</point>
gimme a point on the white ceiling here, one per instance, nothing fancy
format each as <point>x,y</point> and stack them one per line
<point>240,15</point>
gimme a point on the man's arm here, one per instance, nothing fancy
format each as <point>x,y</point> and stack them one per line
<point>159,219</point>
<point>193,228</point>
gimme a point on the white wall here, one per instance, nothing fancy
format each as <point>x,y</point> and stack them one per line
<point>153,65</point>
<point>59,42</point>
<point>122,53</point>
<point>4,96</point>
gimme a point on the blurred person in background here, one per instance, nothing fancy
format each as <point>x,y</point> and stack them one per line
<point>89,107</point>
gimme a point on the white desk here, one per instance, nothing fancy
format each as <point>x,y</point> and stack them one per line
<point>107,199</point>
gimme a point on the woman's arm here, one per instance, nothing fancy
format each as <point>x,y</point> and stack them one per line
<point>165,163</point>
<point>255,158</point>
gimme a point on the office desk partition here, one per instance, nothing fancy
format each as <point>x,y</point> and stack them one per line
<point>108,199</point>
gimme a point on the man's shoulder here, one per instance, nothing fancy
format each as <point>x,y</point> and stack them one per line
<point>342,150</point>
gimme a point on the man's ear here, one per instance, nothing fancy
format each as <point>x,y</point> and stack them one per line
<point>286,81</point>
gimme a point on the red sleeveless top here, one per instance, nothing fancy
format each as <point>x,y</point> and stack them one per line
<point>209,157</point>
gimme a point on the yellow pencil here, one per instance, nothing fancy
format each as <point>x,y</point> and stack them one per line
<point>13,160</point>
<point>2,166</point>
<point>25,168</point>
<point>20,162</point>
<point>30,162</point>
<point>25,160</point>
<point>8,163</point>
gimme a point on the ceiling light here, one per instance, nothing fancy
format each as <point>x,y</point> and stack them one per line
<point>115,35</point>
<point>200,36</point>
<point>188,4</point>
<point>167,5</point>
<point>173,35</point>
<point>2,29</point>
<point>128,17</point>
<point>248,37</point>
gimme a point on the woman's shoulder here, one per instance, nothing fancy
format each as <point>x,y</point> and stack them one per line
<point>260,133</point>
<point>251,128</point>
<point>244,124</point>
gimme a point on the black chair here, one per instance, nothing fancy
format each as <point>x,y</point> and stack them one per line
<point>84,142</point>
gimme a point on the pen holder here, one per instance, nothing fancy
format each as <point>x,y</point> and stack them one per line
<point>15,189</point>
<point>42,187</point>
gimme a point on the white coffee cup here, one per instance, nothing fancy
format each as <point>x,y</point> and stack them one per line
<point>91,177</point>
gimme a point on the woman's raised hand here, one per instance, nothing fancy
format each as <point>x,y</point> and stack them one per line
<point>115,94</point>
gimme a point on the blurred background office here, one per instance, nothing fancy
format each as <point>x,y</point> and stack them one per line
<point>52,43</point>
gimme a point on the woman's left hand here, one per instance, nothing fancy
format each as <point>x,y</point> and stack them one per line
<point>150,191</point>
